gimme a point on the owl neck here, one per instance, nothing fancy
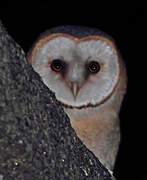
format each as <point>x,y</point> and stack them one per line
<point>93,123</point>
<point>98,129</point>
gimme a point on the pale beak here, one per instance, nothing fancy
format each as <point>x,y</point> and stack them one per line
<point>75,89</point>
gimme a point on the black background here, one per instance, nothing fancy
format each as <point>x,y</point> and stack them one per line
<point>126,24</point>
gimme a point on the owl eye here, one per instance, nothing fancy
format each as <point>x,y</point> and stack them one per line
<point>93,67</point>
<point>57,65</point>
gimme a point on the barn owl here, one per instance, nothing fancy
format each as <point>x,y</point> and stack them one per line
<point>85,70</point>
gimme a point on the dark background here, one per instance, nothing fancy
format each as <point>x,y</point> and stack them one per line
<point>125,23</point>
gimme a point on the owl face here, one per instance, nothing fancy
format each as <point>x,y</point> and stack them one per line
<point>82,71</point>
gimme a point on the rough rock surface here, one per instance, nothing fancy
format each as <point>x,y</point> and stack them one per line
<point>36,138</point>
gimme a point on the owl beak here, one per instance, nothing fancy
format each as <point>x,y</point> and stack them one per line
<point>75,89</point>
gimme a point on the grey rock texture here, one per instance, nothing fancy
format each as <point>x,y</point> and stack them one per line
<point>36,138</point>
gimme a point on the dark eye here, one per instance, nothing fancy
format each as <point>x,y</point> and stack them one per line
<point>57,65</point>
<point>93,67</point>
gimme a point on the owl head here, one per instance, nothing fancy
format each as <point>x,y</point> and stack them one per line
<point>81,65</point>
